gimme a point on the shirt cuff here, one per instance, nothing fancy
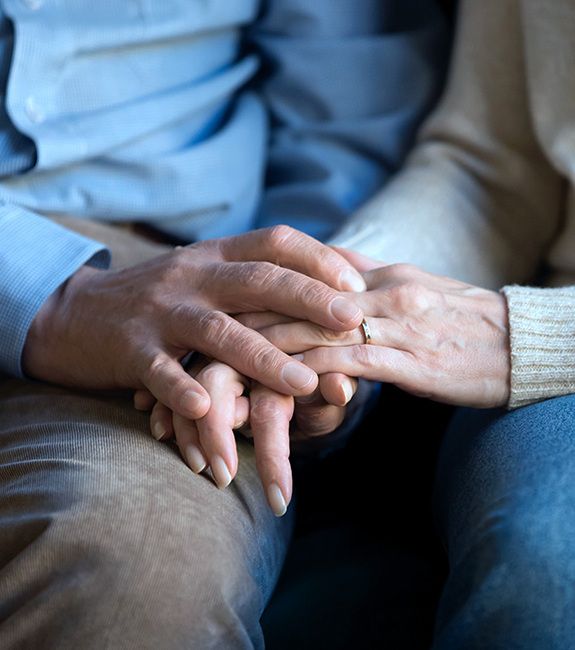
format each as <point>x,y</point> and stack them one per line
<point>36,257</point>
<point>542,335</point>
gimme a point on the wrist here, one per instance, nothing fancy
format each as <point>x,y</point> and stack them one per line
<point>44,350</point>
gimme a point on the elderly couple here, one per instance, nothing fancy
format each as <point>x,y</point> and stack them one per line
<point>214,123</point>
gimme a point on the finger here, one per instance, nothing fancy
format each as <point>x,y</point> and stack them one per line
<point>270,415</point>
<point>337,388</point>
<point>299,336</point>
<point>224,386</point>
<point>238,287</point>
<point>188,440</point>
<point>221,337</point>
<point>373,362</point>
<point>161,422</point>
<point>317,420</point>
<point>360,262</point>
<point>242,412</point>
<point>143,400</point>
<point>259,320</point>
<point>171,385</point>
<point>292,249</point>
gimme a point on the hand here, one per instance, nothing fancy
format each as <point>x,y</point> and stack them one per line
<point>432,336</point>
<point>130,328</point>
<point>209,441</point>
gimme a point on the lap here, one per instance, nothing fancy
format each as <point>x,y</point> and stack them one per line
<point>93,509</point>
<point>505,498</point>
<point>495,457</point>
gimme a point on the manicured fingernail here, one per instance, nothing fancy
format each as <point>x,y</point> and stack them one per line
<point>347,389</point>
<point>298,376</point>
<point>195,458</point>
<point>193,401</point>
<point>221,472</point>
<point>158,431</point>
<point>351,280</point>
<point>276,500</point>
<point>344,310</point>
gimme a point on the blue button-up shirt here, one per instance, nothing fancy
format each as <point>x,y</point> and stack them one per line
<point>201,117</point>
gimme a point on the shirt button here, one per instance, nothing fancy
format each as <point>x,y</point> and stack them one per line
<point>33,111</point>
<point>33,4</point>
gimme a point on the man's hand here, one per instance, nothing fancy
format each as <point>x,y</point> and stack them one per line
<point>432,336</point>
<point>131,328</point>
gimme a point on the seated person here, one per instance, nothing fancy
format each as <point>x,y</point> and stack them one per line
<point>155,112</point>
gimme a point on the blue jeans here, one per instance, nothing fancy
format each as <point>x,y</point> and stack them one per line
<point>505,504</point>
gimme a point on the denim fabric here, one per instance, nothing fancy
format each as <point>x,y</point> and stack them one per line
<point>505,502</point>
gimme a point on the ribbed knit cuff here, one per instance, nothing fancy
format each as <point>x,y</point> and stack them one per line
<point>542,330</point>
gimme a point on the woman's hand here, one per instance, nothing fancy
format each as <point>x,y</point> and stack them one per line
<point>266,417</point>
<point>431,336</point>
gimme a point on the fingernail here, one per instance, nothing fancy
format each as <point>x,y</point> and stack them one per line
<point>276,500</point>
<point>344,310</point>
<point>158,431</point>
<point>351,280</point>
<point>195,458</point>
<point>192,401</point>
<point>221,472</point>
<point>347,389</point>
<point>298,376</point>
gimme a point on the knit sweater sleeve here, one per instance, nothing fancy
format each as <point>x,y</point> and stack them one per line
<point>542,329</point>
<point>478,199</point>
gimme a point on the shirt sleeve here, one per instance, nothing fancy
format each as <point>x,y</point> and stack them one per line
<point>346,85</point>
<point>36,257</point>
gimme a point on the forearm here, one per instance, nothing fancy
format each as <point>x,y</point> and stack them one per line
<point>477,199</point>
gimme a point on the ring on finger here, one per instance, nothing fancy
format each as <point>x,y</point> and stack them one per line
<point>366,332</point>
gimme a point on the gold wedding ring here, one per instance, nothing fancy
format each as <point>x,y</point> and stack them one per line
<point>366,332</point>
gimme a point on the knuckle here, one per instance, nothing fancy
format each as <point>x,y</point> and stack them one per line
<point>265,359</point>
<point>172,268</point>
<point>266,409</point>
<point>308,291</point>
<point>402,271</point>
<point>332,337</point>
<point>280,236</point>
<point>250,275</point>
<point>214,325</point>
<point>155,371</point>
<point>362,355</point>
<point>211,374</point>
<point>410,296</point>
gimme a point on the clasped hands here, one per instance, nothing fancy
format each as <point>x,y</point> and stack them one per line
<point>276,316</point>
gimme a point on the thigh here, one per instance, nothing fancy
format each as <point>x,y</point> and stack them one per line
<point>107,539</point>
<point>505,500</point>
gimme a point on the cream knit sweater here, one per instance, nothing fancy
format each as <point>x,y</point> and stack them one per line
<point>488,194</point>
